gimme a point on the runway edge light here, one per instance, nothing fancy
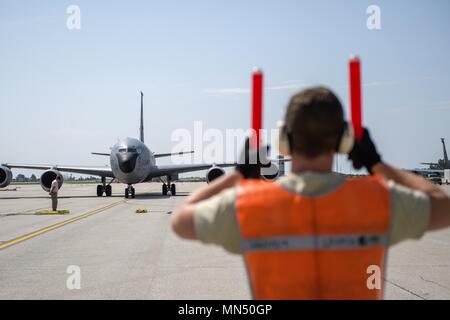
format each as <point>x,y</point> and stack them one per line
<point>356,96</point>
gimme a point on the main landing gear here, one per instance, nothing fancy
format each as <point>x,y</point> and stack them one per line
<point>129,192</point>
<point>169,187</point>
<point>104,188</point>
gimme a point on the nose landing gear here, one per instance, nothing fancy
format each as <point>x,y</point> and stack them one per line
<point>129,192</point>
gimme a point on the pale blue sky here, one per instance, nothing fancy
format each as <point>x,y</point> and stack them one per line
<point>66,93</point>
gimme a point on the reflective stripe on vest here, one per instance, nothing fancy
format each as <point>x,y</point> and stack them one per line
<point>315,243</point>
<point>299,247</point>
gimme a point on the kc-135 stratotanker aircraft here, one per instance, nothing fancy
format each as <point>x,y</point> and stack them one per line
<point>438,167</point>
<point>131,162</point>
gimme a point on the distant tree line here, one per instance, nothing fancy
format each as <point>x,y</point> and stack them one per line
<point>23,178</point>
<point>33,178</point>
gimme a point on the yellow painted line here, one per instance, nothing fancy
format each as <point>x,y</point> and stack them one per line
<point>57,225</point>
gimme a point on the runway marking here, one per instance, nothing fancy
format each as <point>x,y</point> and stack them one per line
<point>57,225</point>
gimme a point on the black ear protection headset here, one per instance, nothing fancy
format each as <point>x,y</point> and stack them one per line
<point>345,145</point>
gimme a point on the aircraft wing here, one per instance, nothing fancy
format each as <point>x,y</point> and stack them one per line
<point>429,163</point>
<point>426,171</point>
<point>95,171</point>
<point>164,170</point>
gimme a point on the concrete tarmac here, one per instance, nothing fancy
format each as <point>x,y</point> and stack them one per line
<point>125,255</point>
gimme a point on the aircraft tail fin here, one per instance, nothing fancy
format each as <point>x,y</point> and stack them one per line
<point>445,152</point>
<point>141,129</point>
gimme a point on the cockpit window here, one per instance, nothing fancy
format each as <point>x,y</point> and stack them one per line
<point>130,149</point>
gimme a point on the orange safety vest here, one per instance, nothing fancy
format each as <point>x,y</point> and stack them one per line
<point>300,247</point>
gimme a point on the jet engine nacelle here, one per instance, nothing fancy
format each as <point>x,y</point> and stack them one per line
<point>5,176</point>
<point>214,173</point>
<point>47,178</point>
<point>270,173</point>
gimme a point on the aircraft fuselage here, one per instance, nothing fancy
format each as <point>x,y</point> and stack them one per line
<point>131,161</point>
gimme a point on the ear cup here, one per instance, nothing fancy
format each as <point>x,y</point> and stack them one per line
<point>283,140</point>
<point>347,140</point>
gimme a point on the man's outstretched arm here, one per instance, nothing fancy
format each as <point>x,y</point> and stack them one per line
<point>183,219</point>
<point>365,154</point>
<point>440,201</point>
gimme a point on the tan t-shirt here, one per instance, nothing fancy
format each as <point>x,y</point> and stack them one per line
<point>54,187</point>
<point>216,222</point>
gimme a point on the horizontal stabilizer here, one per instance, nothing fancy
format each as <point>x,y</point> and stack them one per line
<point>162,155</point>
<point>101,154</point>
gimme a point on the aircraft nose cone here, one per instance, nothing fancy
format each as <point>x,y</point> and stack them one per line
<point>127,162</point>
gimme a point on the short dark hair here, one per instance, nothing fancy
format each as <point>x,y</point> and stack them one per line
<point>314,122</point>
<point>58,177</point>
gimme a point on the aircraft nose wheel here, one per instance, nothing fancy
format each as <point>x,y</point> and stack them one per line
<point>173,189</point>
<point>164,189</point>
<point>130,192</point>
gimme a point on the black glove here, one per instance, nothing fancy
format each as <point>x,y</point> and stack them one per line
<point>251,161</point>
<point>364,153</point>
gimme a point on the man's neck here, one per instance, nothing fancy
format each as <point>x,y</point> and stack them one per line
<point>320,164</point>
